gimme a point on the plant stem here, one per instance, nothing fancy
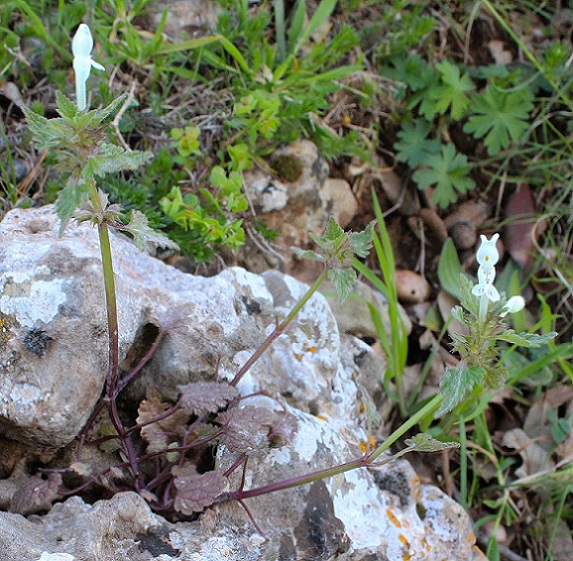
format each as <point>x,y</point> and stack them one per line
<point>483,304</point>
<point>363,461</point>
<point>280,329</point>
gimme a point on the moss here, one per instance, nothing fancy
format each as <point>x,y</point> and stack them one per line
<point>287,167</point>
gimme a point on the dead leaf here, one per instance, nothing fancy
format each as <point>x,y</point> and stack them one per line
<point>535,458</point>
<point>521,231</point>
<point>500,55</point>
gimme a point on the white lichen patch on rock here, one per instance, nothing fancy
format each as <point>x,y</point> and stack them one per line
<point>32,301</point>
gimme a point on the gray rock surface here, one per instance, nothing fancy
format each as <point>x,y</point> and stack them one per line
<point>52,287</point>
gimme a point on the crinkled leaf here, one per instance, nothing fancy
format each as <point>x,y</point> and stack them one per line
<point>70,198</point>
<point>422,442</point>
<point>159,435</point>
<point>97,116</point>
<point>343,281</point>
<point>111,159</point>
<point>196,491</point>
<point>526,339</point>
<point>36,494</point>
<point>66,107</point>
<point>47,133</point>
<point>246,429</point>
<point>308,254</point>
<point>457,383</point>
<point>333,232</point>
<point>201,398</point>
<point>144,236</point>
<point>88,212</point>
<point>361,242</point>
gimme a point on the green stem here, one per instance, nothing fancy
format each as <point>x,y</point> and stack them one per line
<point>407,425</point>
<point>280,329</point>
<point>363,461</point>
<point>463,464</point>
<point>483,304</point>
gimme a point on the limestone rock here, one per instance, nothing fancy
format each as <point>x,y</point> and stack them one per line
<point>53,351</point>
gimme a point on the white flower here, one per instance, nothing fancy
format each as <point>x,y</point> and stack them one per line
<point>513,305</point>
<point>82,45</point>
<point>487,255</point>
<point>485,283</point>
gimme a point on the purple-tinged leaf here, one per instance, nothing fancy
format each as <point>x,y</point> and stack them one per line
<point>196,491</point>
<point>246,430</point>
<point>159,434</point>
<point>36,494</point>
<point>201,398</point>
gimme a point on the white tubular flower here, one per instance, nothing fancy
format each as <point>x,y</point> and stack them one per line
<point>513,305</point>
<point>485,284</point>
<point>82,45</point>
<point>487,255</point>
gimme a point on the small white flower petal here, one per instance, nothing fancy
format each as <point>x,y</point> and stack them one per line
<point>492,293</point>
<point>513,305</point>
<point>82,43</point>
<point>487,255</point>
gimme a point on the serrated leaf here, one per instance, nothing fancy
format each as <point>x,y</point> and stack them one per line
<point>414,146</point>
<point>526,339</point>
<point>144,236</point>
<point>111,159</point>
<point>196,491</point>
<point>159,434</point>
<point>333,232</point>
<point>451,93</point>
<point>500,117</point>
<point>361,242</point>
<point>100,115</point>
<point>65,107</point>
<point>36,494</point>
<point>448,171</point>
<point>70,198</point>
<point>246,429</point>
<point>422,442</point>
<point>201,398</point>
<point>343,281</point>
<point>457,383</point>
<point>307,254</point>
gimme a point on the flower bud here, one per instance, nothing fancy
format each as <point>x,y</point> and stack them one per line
<point>513,305</point>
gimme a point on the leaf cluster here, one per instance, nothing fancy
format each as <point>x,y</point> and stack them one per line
<point>480,367</point>
<point>337,249</point>
<point>436,96</point>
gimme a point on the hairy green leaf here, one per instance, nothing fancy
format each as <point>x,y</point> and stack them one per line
<point>144,236</point>
<point>457,383</point>
<point>526,339</point>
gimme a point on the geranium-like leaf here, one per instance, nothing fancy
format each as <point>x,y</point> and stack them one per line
<point>422,442</point>
<point>201,398</point>
<point>196,491</point>
<point>246,430</point>
<point>159,435</point>
<point>36,494</point>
